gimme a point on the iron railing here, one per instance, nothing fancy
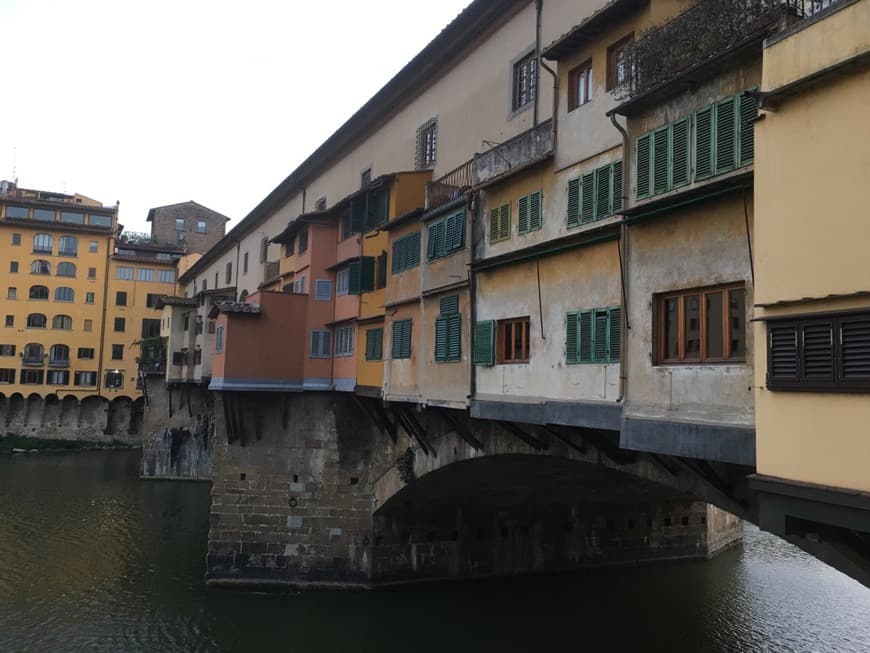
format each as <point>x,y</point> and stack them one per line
<point>449,187</point>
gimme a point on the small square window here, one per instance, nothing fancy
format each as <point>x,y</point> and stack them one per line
<point>89,325</point>
<point>120,324</point>
<point>580,85</point>
<point>524,81</point>
<point>10,320</point>
<point>365,178</point>
<point>16,239</point>
<point>93,246</point>
<point>11,292</point>
<point>114,379</point>
<point>121,298</point>
<point>13,267</point>
<point>513,340</point>
<point>117,352</point>
<point>201,226</point>
<point>92,273</point>
<point>89,298</point>
<point>179,224</point>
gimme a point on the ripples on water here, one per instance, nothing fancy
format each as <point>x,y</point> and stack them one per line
<point>92,559</point>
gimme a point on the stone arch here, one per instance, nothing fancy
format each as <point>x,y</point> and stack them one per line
<point>51,412</point>
<point>92,415</point>
<point>15,412</point>
<point>137,414</point>
<point>118,416</point>
<point>35,410</point>
<point>69,412</point>
<point>4,408</point>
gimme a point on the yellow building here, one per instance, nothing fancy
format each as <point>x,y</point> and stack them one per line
<point>811,294</point>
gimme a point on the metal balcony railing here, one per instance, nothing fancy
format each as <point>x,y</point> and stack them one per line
<point>449,187</point>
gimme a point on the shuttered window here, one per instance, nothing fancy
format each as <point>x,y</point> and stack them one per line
<point>595,195</point>
<point>529,213</point>
<point>446,236</point>
<point>321,343</point>
<point>401,339</point>
<point>594,336</point>
<point>406,252</point>
<point>367,274</point>
<point>448,331</point>
<point>483,345</point>
<point>322,290</point>
<point>826,353</point>
<point>374,344</point>
<point>500,223</point>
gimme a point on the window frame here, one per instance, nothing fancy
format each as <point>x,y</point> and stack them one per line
<point>374,344</point>
<point>502,326</point>
<point>584,70</point>
<point>427,144</point>
<point>344,341</point>
<point>613,50</point>
<point>524,81</point>
<point>397,348</point>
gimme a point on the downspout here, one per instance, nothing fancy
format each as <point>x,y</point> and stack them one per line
<point>238,250</point>
<point>100,367</point>
<point>473,206</point>
<point>622,246</point>
<point>555,117</point>
<point>539,5</point>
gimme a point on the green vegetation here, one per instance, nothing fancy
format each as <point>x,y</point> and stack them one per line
<point>11,441</point>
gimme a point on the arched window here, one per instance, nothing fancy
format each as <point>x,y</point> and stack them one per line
<point>63,294</point>
<point>33,353</point>
<point>36,321</point>
<point>42,243</point>
<point>243,296</point>
<point>58,355</point>
<point>68,246</point>
<point>38,292</point>
<point>61,322</point>
<point>66,270</point>
<point>40,266</point>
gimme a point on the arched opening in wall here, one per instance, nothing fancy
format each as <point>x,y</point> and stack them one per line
<point>137,414</point>
<point>118,416</point>
<point>243,296</point>
<point>92,413</point>
<point>35,410</point>
<point>51,413</point>
<point>69,413</point>
<point>4,409</point>
<point>15,413</point>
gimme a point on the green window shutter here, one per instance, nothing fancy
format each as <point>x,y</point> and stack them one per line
<point>616,183</point>
<point>441,238</point>
<point>505,225</point>
<point>367,274</point>
<point>748,113</point>
<point>680,153</point>
<point>449,304</point>
<point>397,340</point>
<point>599,337</point>
<point>378,208</point>
<point>535,217</point>
<point>726,135</point>
<point>406,340</point>
<point>358,214</point>
<point>414,253</point>
<point>440,339</point>
<point>523,215</point>
<point>574,202</point>
<point>374,344</point>
<point>614,335</point>
<point>704,136</point>
<point>454,337</point>
<point>584,340</point>
<point>457,237</point>
<point>398,252</point>
<point>354,279</point>
<point>495,224</point>
<point>431,245</point>
<point>449,227</point>
<point>483,347</point>
<point>643,159</point>
<point>401,339</point>
<point>661,162</point>
<point>602,192</point>
<point>587,198</point>
<point>571,340</point>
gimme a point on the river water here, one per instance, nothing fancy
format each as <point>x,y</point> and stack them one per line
<point>93,559</point>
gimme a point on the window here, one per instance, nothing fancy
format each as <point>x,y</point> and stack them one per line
<point>322,290</point>
<point>92,273</point>
<point>229,273</point>
<point>33,354</point>
<point>245,263</point>
<point>374,344</point>
<point>38,292</point>
<point>299,287</point>
<point>446,236</point>
<point>168,276</point>
<point>201,226</point>
<point>619,65</point>
<point>406,252</point>
<point>197,357</point>
<point>500,223</point>
<point>381,270</point>
<point>85,378</point>
<point>344,341</point>
<point>93,247</point>
<point>66,269</point>
<point>151,300</point>
<point>401,339</point>
<point>124,273</point>
<point>321,344</point>
<point>120,324</point>
<point>7,375</point>
<point>594,336</point>
<point>44,215</point>
<point>90,298</point>
<point>513,340</point>
<point>64,294</point>
<point>100,220</point>
<point>43,244</point>
<point>10,320</point>
<point>580,85</point>
<point>705,325</point>
<point>524,81</point>
<point>63,322</point>
<point>264,250</point>
<point>114,380</point>
<point>320,204</point>
<point>11,292</point>
<point>595,195</point>
<point>39,266</point>
<point>88,325</point>
<point>179,224</point>
<point>7,350</point>
<point>448,331</point>
<point>150,328</point>
<point>13,267</point>
<point>342,281</point>
<point>216,281</point>
<point>821,353</point>
<point>121,298</point>
<point>19,212</point>
<point>365,178</point>
<point>32,377</point>
<point>58,355</point>
<point>144,274</point>
<point>427,144</point>
<point>117,352</point>
<point>68,246</point>
<point>86,353</point>
<point>303,240</point>
<point>219,340</point>
<point>58,377</point>
<point>36,321</point>
<point>16,239</point>
<point>204,285</point>
<point>72,217</point>
<point>529,213</point>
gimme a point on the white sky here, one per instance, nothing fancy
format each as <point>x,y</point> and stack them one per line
<point>157,102</point>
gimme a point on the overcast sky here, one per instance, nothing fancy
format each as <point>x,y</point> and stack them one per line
<point>151,103</point>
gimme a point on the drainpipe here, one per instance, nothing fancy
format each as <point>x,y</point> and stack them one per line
<point>238,250</point>
<point>473,205</point>
<point>555,116</point>
<point>107,269</point>
<point>622,244</point>
<point>539,5</point>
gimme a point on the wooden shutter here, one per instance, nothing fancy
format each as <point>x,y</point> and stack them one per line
<point>661,161</point>
<point>573,202</point>
<point>454,337</point>
<point>398,255</point>
<point>358,214</point>
<point>414,253</point>
<point>571,340</point>
<point>315,343</point>
<point>457,232</point>
<point>587,198</point>
<point>614,335</point>
<point>782,353</point>
<point>599,337</point>
<point>440,339</point>
<point>449,304</point>
<point>535,211</point>
<point>748,114</point>
<point>374,344</point>
<point>367,274</point>
<point>855,348</point>
<point>704,143</point>
<point>817,351</point>
<point>642,158</point>
<point>381,273</point>
<point>431,245</point>
<point>397,340</point>
<point>406,339</point>
<point>505,221</point>
<point>602,192</point>
<point>483,347</point>
<point>378,208</point>
<point>680,153</point>
<point>616,186</point>
<point>523,215</point>
<point>495,224</point>
<point>354,281</point>
<point>584,346</point>
<point>726,135</point>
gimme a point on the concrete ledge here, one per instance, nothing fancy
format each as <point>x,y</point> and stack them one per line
<point>585,414</point>
<point>278,585</point>
<point>267,385</point>
<point>718,442</point>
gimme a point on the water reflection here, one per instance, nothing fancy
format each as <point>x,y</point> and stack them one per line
<point>93,559</point>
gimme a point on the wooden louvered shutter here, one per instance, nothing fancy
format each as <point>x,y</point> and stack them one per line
<point>643,159</point>
<point>413,251</point>
<point>572,342</point>
<point>523,215</point>
<point>748,114</point>
<point>483,347</point>
<point>406,339</point>
<point>354,278</point>
<point>431,246</point>
<point>661,160</point>
<point>535,211</point>
<point>505,222</point>
<point>457,240</point>
<point>726,135</point>
<point>367,274</point>
<point>495,224</point>
<point>573,202</point>
<point>397,340</point>
<point>602,192</point>
<point>855,349</point>
<point>614,334</point>
<point>782,354</point>
<point>599,337</point>
<point>584,341</point>
<point>587,198</point>
<point>358,214</point>
<point>449,304</point>
<point>454,337</point>
<point>680,153</point>
<point>440,339</point>
<point>616,184</point>
<point>704,143</point>
<point>817,351</point>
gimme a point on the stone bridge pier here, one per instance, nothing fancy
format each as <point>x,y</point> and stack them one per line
<point>331,490</point>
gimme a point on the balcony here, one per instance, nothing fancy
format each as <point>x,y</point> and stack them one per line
<point>449,187</point>
<point>529,147</point>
